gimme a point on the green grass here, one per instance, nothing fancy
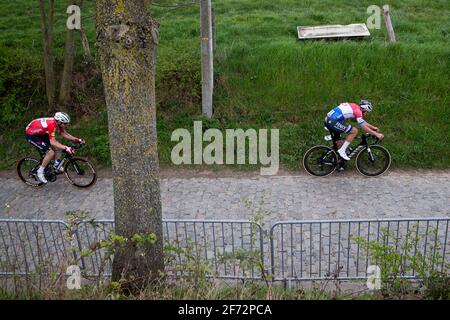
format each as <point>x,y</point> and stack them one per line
<point>183,290</point>
<point>265,77</point>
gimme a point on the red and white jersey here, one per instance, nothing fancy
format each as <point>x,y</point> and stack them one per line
<point>347,110</point>
<point>43,126</point>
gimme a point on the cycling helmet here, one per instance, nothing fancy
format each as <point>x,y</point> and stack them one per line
<point>366,105</point>
<point>62,117</point>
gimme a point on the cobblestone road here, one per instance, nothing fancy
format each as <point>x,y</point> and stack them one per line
<point>290,197</point>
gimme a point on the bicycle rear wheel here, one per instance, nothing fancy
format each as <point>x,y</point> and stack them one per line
<point>80,172</point>
<point>320,161</point>
<point>373,160</point>
<point>27,171</point>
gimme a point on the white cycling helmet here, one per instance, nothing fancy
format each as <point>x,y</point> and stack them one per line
<point>366,105</point>
<point>62,117</point>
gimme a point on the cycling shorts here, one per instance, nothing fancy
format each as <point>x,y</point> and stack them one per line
<point>337,126</point>
<point>40,142</point>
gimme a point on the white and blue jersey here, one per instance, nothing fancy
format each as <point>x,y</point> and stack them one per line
<point>335,119</point>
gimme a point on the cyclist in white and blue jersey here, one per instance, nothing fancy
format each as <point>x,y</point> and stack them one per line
<point>335,122</point>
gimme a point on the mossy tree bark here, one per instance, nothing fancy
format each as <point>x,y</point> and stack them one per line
<point>87,58</point>
<point>47,15</point>
<point>126,40</point>
<point>69,56</point>
<point>66,76</point>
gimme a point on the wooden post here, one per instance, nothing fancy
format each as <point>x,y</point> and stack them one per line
<point>213,18</point>
<point>388,23</point>
<point>207,57</point>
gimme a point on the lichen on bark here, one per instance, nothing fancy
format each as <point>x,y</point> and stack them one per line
<point>126,41</point>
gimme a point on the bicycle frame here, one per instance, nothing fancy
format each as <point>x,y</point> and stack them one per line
<point>64,156</point>
<point>362,144</point>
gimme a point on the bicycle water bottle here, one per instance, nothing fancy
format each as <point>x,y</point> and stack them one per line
<point>58,164</point>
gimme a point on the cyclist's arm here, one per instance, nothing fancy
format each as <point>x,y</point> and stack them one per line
<point>57,144</point>
<point>372,127</point>
<point>70,137</point>
<point>367,128</point>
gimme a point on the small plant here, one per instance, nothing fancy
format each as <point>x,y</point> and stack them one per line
<point>405,271</point>
<point>188,273</point>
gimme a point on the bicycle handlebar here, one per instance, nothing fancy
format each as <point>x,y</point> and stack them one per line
<point>75,145</point>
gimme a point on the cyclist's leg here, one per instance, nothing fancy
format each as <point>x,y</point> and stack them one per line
<point>56,152</point>
<point>337,141</point>
<point>352,132</point>
<point>50,154</point>
<point>42,144</point>
<point>335,135</point>
<point>342,127</point>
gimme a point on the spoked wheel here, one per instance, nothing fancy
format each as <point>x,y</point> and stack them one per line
<point>373,160</point>
<point>80,172</point>
<point>320,161</point>
<point>27,171</point>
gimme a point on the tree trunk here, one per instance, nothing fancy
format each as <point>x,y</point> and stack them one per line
<point>69,55</point>
<point>85,43</point>
<point>66,77</point>
<point>47,35</point>
<point>126,41</point>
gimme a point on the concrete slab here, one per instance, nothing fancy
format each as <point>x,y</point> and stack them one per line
<point>333,31</point>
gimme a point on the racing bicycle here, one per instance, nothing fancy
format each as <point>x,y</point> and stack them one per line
<point>77,170</point>
<point>372,159</point>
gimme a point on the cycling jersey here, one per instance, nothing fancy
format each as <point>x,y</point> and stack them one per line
<point>345,111</point>
<point>43,126</point>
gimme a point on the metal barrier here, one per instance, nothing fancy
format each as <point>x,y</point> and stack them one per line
<point>299,250</point>
<point>216,243</point>
<point>31,246</point>
<point>222,246</point>
<point>324,249</point>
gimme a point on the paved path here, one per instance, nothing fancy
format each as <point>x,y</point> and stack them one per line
<point>398,194</point>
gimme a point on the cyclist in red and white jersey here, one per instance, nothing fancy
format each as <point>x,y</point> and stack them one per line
<point>41,133</point>
<point>335,122</point>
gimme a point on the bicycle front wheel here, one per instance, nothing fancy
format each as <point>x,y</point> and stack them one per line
<point>320,161</point>
<point>80,172</point>
<point>27,171</point>
<point>373,161</point>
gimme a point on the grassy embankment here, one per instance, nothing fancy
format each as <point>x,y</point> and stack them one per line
<point>265,77</point>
